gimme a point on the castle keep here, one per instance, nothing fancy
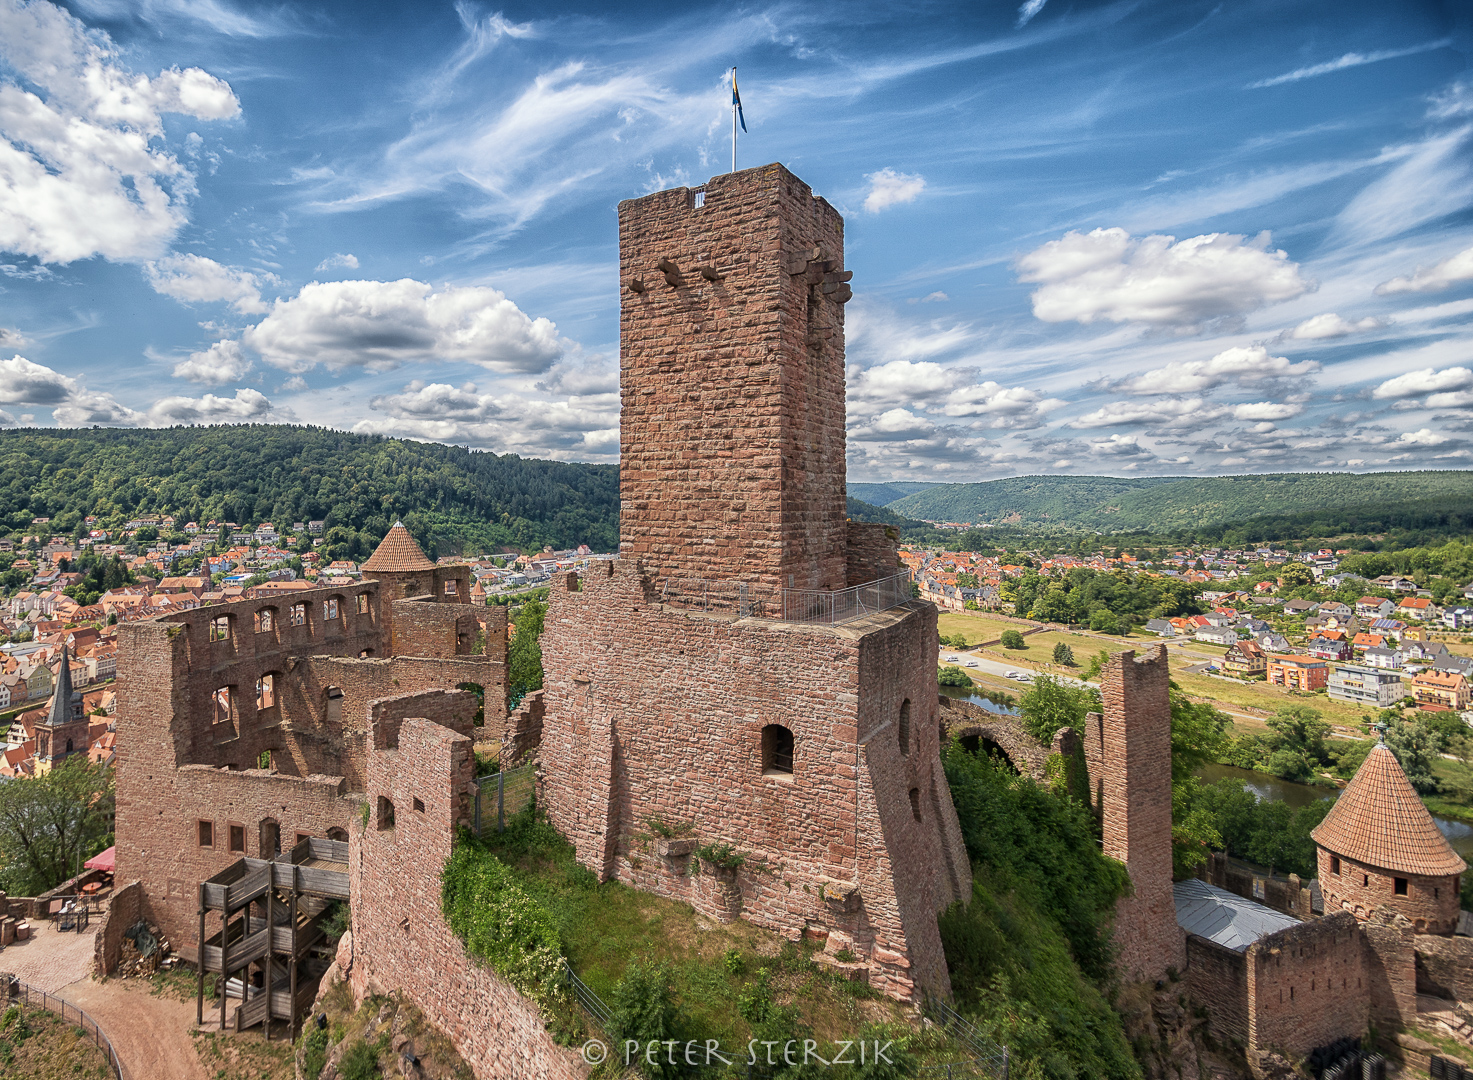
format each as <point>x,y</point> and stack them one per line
<point>722,676</point>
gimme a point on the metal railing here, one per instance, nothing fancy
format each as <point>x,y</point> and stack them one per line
<point>855,602</point>
<point>29,995</point>
<point>788,605</point>
<point>991,1059</point>
<point>502,795</point>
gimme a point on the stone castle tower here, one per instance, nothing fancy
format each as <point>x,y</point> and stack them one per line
<point>1129,752</point>
<point>720,676</point>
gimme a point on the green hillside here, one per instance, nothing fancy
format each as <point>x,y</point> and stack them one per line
<point>1170,505</point>
<point>452,498</point>
<point>885,494</point>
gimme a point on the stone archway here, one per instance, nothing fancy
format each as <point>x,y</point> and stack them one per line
<point>1003,736</point>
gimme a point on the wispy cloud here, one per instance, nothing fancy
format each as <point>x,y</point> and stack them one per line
<point>1029,9</point>
<point>1349,60</point>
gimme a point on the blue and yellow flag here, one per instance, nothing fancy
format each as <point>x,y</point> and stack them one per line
<point>736,100</point>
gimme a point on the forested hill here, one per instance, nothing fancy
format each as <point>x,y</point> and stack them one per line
<point>1324,502</point>
<point>455,498</point>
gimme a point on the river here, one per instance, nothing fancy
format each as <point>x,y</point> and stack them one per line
<point>1268,786</point>
<point>1264,785</point>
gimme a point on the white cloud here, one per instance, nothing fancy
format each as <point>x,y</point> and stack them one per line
<point>1455,101</point>
<point>86,408</point>
<point>1456,399</point>
<point>194,279</point>
<point>438,401</point>
<point>380,325</point>
<point>1267,410</point>
<point>1000,406</point>
<point>1327,326</point>
<point>1029,9</point>
<point>1192,411</point>
<point>12,339</point>
<point>1432,181</point>
<point>79,174</point>
<point>222,362</point>
<point>333,262</point>
<point>1349,60</point>
<point>25,383</point>
<point>902,380</point>
<point>1440,275</point>
<point>1424,437</point>
<point>1425,381</point>
<point>1240,364</point>
<point>1108,274</point>
<point>246,406</point>
<point>890,188</point>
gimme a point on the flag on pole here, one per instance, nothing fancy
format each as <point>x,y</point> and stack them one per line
<point>736,100</point>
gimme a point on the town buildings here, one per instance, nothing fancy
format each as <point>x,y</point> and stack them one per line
<point>1374,687</point>
<point>1297,672</point>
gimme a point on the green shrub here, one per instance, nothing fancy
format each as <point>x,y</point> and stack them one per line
<point>500,922</point>
<point>724,856</point>
<point>732,961</point>
<point>314,1053</point>
<point>360,1060</point>
<point>951,675</point>
<point>1063,655</point>
<point>645,1012</point>
<point>1012,639</point>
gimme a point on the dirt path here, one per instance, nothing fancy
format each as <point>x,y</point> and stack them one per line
<point>150,1033</point>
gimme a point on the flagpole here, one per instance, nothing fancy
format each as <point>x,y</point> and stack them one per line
<point>733,119</point>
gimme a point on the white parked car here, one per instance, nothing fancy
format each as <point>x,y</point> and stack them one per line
<point>952,659</point>
<point>971,663</point>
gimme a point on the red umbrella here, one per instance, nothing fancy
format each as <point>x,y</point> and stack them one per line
<point>106,860</point>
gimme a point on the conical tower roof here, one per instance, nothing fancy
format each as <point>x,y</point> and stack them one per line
<point>61,701</point>
<point>399,553</point>
<point>1378,820</point>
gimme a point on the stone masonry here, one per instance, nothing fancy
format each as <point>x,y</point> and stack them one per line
<point>244,727</point>
<point>1134,780</point>
<point>810,748</point>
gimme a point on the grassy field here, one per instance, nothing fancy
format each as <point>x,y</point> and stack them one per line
<point>1261,698</point>
<point>716,972</point>
<point>40,1045</point>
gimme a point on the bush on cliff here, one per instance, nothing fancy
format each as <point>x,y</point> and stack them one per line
<point>500,922</point>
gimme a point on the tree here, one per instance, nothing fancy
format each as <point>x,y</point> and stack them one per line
<point>1103,621</point>
<point>524,654</point>
<point>1012,639</point>
<point>1294,575</point>
<point>1049,705</point>
<point>1063,655</point>
<point>50,824</point>
<point>1416,744</point>
<point>952,675</point>
<point>966,581</point>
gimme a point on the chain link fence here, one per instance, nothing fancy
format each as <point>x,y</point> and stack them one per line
<point>502,795</point>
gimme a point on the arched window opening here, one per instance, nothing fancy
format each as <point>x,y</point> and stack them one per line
<point>69,746</point>
<point>365,654</point>
<point>777,751</point>
<point>220,628</point>
<point>915,803</point>
<point>299,614</point>
<point>338,834</point>
<point>265,620</point>
<point>905,727</point>
<point>985,747</point>
<point>269,833</point>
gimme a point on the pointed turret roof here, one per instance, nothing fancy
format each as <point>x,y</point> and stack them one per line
<point>1378,820</point>
<point>398,553</point>
<point>61,700</point>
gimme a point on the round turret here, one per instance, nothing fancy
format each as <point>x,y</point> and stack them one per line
<point>1379,847</point>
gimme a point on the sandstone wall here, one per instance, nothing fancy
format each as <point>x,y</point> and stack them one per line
<point>732,390</point>
<point>1445,967</point>
<point>1431,904</point>
<point>1390,969</point>
<point>401,942</point>
<point>124,909</point>
<point>1135,751</point>
<point>655,713</point>
<point>1307,986</point>
<point>873,551</point>
<point>1217,980</point>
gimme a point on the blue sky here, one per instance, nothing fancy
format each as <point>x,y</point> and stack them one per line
<point>1138,237</point>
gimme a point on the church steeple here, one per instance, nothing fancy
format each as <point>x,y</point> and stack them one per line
<point>64,731</point>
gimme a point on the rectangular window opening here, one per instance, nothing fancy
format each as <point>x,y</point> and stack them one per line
<point>1400,885</point>
<point>206,834</point>
<point>363,603</point>
<point>299,614</point>
<point>700,199</point>
<point>330,609</point>
<point>237,838</point>
<point>419,806</point>
<point>220,628</point>
<point>1335,864</point>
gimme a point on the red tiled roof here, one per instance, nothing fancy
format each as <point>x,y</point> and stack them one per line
<point>398,553</point>
<point>1378,820</point>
